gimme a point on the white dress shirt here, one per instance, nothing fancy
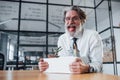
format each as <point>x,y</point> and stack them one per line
<point>90,47</point>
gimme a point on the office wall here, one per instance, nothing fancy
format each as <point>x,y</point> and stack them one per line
<point>108,26</point>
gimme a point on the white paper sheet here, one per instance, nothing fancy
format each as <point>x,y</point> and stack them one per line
<point>59,65</point>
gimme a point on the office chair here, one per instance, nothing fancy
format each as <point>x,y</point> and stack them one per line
<point>1,61</point>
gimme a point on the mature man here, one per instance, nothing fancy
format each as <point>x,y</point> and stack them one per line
<point>77,41</point>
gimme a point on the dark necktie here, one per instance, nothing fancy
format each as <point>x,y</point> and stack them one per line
<point>75,49</point>
<point>74,43</point>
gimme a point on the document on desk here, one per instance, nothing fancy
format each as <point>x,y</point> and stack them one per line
<point>59,65</point>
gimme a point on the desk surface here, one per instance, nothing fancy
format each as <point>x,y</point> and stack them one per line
<point>36,75</point>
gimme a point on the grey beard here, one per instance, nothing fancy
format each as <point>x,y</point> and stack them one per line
<point>74,34</point>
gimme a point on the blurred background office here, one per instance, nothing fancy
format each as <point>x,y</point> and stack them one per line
<point>29,30</point>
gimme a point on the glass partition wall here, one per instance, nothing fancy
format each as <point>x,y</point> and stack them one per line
<point>116,31</point>
<point>29,29</point>
<point>108,24</point>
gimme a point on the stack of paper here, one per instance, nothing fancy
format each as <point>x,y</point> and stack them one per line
<point>59,65</point>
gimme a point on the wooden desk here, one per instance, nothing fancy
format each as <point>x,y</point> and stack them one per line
<point>36,75</point>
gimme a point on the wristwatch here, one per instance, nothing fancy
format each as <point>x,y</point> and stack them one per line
<point>91,68</point>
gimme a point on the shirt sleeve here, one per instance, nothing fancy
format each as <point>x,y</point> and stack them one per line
<point>96,52</point>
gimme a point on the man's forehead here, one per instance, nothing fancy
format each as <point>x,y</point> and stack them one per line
<point>71,13</point>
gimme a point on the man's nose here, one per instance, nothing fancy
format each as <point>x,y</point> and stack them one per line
<point>71,21</point>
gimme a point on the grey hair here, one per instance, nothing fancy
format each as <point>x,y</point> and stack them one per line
<point>79,11</point>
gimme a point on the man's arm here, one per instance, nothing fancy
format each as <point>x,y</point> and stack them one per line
<point>96,53</point>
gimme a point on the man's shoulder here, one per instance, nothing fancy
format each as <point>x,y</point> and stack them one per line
<point>90,31</point>
<point>62,36</point>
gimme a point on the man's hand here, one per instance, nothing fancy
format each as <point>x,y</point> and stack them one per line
<point>43,65</point>
<point>79,67</point>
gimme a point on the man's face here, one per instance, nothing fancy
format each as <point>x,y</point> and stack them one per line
<point>72,21</point>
